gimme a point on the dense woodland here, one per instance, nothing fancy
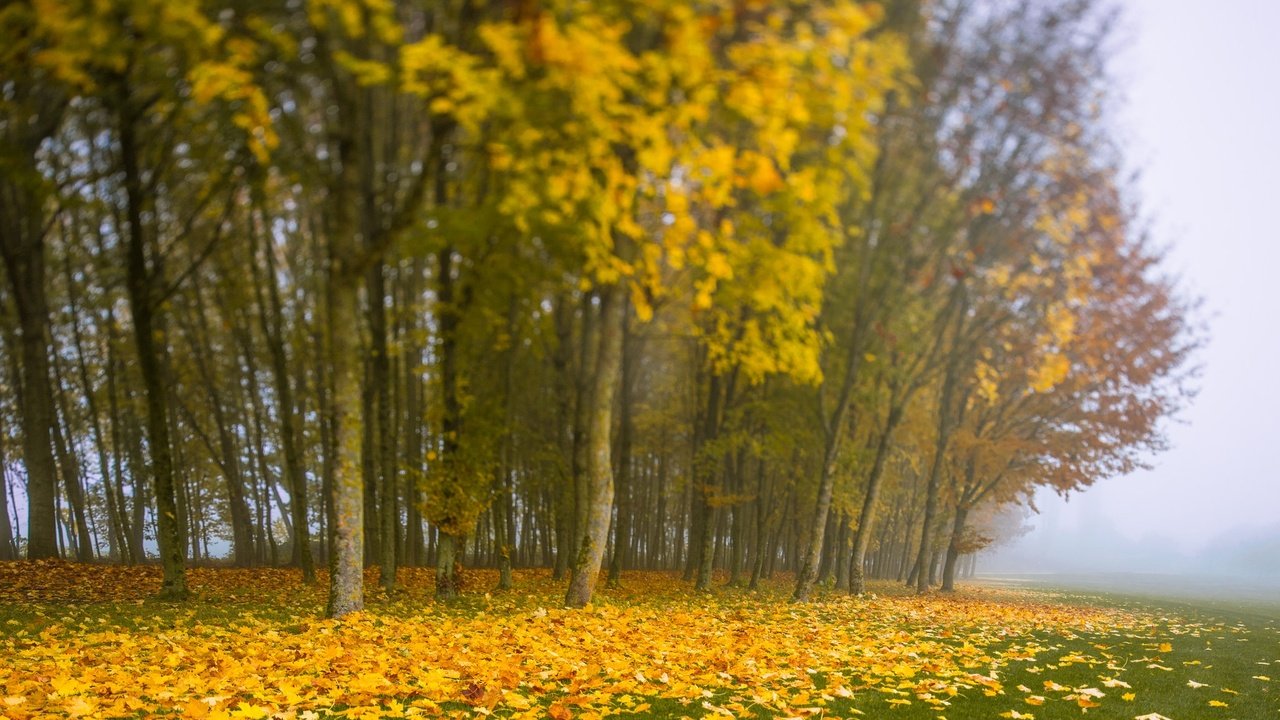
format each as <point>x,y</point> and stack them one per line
<point>728,287</point>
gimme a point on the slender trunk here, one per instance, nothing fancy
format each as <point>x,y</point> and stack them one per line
<point>954,547</point>
<point>563,501</point>
<point>23,246</point>
<point>866,518</point>
<point>413,404</point>
<point>833,431</point>
<point>813,550</point>
<point>227,453</point>
<point>72,479</point>
<point>738,529</point>
<point>148,327</point>
<point>599,467</point>
<point>115,539</point>
<point>622,531</point>
<point>141,490</point>
<point>581,427</point>
<point>132,551</point>
<point>368,462</point>
<point>925,553</point>
<point>271,317</point>
<point>451,541</point>
<point>762,526</point>
<point>384,448</point>
<point>705,468</point>
<point>503,513</point>
<point>658,534</point>
<point>328,444</point>
<point>8,545</point>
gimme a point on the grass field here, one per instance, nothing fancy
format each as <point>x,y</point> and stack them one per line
<point>87,641</point>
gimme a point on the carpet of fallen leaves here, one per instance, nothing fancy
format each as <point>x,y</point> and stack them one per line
<point>87,641</point>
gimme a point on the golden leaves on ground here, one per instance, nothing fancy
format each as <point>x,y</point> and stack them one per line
<point>251,647</point>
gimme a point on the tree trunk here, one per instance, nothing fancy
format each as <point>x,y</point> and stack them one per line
<point>8,547</point>
<point>622,532</point>
<point>705,469</point>
<point>866,518</point>
<point>131,551</point>
<point>271,317</point>
<point>925,553</point>
<point>583,387</point>
<point>72,478</point>
<point>385,447</point>
<point>599,467</point>
<point>413,421</point>
<point>22,241</point>
<point>148,328</point>
<point>563,500</point>
<point>953,548</point>
<point>346,536</point>
<point>813,550</point>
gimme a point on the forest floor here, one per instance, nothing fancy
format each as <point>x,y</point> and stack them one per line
<point>88,641</point>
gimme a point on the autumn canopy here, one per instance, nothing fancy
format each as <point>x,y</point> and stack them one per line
<point>728,286</point>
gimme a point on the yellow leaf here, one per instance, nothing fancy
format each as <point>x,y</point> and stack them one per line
<point>250,711</point>
<point>764,178</point>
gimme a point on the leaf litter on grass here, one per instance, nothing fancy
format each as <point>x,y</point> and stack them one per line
<point>85,641</point>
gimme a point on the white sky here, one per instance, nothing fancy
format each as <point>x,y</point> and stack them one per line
<point>1201,121</point>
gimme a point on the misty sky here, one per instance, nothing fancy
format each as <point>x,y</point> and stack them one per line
<point>1201,121</point>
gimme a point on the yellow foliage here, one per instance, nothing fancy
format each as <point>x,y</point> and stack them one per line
<point>1053,369</point>
<point>411,657</point>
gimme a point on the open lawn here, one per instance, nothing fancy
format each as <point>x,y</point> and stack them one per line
<point>87,641</point>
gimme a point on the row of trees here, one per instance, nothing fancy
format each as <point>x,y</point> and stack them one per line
<point>812,286</point>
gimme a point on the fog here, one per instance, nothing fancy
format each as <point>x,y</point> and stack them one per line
<point>1200,125</point>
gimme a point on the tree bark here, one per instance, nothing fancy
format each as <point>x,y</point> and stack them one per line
<point>346,586</point>
<point>599,467</point>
